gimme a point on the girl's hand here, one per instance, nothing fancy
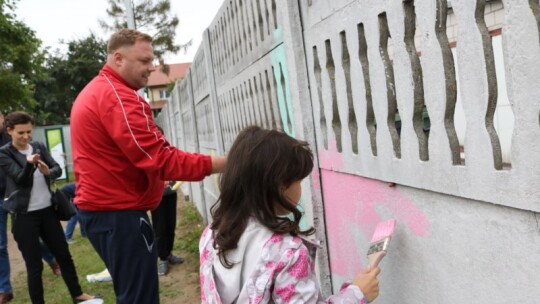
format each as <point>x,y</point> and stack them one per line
<point>368,283</point>
<point>32,159</point>
<point>43,168</point>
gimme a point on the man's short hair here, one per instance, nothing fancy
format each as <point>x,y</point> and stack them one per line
<point>126,37</point>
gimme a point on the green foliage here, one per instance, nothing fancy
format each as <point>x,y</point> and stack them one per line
<point>170,86</point>
<point>66,76</point>
<point>152,18</point>
<point>20,60</point>
<point>36,81</point>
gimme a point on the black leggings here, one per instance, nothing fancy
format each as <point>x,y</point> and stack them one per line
<point>27,229</point>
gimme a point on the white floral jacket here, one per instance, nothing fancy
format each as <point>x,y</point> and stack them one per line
<point>284,274</point>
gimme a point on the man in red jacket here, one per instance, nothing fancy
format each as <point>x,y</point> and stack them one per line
<point>120,161</point>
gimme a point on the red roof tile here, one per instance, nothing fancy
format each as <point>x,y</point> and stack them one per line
<point>176,71</point>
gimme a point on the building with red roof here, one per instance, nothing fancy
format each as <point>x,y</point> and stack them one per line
<point>157,88</point>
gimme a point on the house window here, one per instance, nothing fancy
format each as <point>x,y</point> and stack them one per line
<point>163,93</point>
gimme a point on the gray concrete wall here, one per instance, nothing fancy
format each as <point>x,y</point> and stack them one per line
<point>357,79</point>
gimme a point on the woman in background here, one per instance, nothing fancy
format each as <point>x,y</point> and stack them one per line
<point>29,168</point>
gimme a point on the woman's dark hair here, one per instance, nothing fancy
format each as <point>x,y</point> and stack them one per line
<point>260,166</point>
<point>17,118</point>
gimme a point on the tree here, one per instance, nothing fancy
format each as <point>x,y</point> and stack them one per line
<point>20,60</point>
<point>67,75</point>
<point>153,19</point>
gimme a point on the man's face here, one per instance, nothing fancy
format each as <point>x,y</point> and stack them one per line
<point>136,63</point>
<point>1,120</point>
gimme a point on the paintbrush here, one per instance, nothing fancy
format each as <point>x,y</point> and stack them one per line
<point>380,240</point>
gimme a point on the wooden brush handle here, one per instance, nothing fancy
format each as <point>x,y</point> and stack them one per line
<point>375,258</point>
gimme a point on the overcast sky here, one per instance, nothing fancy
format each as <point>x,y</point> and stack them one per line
<point>55,20</point>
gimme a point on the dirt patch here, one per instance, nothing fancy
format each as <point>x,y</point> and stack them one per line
<point>181,284</point>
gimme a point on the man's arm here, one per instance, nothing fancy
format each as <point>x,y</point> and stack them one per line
<point>130,125</point>
<point>218,163</point>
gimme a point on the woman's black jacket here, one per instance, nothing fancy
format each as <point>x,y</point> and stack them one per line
<point>20,174</point>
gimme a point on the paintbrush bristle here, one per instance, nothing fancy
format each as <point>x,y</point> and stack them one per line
<point>383,230</point>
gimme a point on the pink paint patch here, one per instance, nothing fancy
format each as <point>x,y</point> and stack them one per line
<point>331,159</point>
<point>286,292</point>
<point>350,206</point>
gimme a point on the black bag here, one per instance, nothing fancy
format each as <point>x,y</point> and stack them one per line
<point>13,203</point>
<point>62,205</point>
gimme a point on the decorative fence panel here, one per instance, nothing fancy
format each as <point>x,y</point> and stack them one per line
<point>424,111</point>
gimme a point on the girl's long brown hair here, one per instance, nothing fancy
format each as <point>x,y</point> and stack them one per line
<point>261,164</point>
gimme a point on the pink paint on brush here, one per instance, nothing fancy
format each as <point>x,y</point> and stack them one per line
<point>384,229</point>
<point>379,242</point>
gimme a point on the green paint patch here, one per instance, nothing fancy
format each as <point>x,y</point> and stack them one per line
<point>279,62</point>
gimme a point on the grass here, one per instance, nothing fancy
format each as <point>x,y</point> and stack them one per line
<point>192,228</point>
<point>87,261</point>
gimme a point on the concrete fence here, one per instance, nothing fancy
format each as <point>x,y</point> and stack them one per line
<point>425,111</point>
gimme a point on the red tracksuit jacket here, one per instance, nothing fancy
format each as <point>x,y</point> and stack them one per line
<point>119,156</point>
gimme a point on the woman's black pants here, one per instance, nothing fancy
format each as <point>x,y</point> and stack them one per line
<point>27,229</point>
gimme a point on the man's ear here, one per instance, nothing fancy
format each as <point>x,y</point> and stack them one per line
<point>118,58</point>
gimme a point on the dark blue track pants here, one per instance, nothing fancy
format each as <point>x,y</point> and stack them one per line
<point>125,241</point>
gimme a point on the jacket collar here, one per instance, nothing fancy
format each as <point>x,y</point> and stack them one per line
<point>19,157</point>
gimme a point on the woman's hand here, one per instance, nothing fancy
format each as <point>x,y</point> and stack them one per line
<point>32,159</point>
<point>43,168</point>
<point>368,283</point>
